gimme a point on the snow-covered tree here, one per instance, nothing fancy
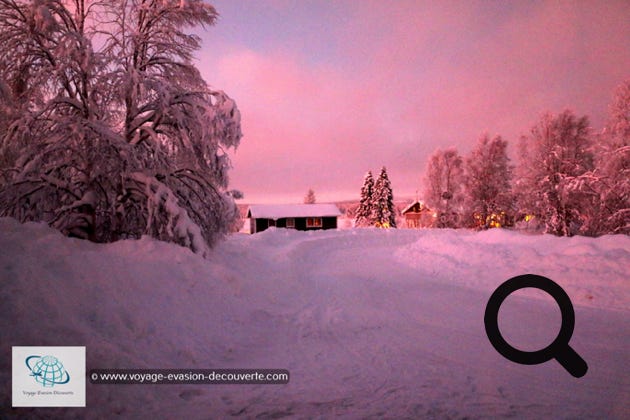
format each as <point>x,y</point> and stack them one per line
<point>443,186</point>
<point>57,152</point>
<point>180,126</point>
<point>552,156</point>
<point>614,163</point>
<point>488,193</point>
<point>310,197</point>
<point>606,189</point>
<point>363,216</point>
<point>118,141</point>
<point>383,210</point>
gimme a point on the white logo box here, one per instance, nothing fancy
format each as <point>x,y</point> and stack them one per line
<point>48,376</point>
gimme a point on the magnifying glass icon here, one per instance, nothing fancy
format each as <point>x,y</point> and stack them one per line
<point>559,349</point>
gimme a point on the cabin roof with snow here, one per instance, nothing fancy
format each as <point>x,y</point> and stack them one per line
<point>278,211</point>
<point>416,207</point>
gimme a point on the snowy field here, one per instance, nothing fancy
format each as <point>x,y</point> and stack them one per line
<point>370,323</point>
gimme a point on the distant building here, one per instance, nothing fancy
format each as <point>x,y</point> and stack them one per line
<point>292,216</point>
<point>417,215</point>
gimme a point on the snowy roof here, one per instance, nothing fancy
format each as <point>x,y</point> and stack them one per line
<point>278,211</point>
<point>422,206</point>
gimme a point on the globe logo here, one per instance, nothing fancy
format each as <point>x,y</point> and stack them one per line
<point>47,370</point>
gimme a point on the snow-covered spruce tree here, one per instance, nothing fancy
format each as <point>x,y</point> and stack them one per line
<point>383,210</point>
<point>363,217</point>
<point>488,188</point>
<point>443,186</point>
<point>557,150</point>
<point>121,141</point>
<point>309,198</point>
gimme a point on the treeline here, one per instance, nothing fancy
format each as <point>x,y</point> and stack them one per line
<point>569,180</point>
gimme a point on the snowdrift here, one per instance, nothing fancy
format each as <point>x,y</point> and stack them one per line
<point>369,322</point>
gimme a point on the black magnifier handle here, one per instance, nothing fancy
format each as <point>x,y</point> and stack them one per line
<point>571,361</point>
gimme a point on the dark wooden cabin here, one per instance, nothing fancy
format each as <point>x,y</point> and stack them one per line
<point>292,216</point>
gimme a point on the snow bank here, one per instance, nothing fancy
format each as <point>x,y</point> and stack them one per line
<point>369,322</point>
<point>593,271</point>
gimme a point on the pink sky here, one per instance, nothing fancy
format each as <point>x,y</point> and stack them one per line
<point>331,89</point>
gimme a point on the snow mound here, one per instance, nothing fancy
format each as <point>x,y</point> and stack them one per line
<point>370,323</point>
<point>594,271</point>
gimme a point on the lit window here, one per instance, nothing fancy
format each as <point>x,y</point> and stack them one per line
<point>291,223</point>
<point>313,222</point>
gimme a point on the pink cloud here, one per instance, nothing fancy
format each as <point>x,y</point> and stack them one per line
<point>401,79</point>
<point>301,124</point>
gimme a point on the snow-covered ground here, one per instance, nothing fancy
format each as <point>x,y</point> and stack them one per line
<point>370,323</point>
